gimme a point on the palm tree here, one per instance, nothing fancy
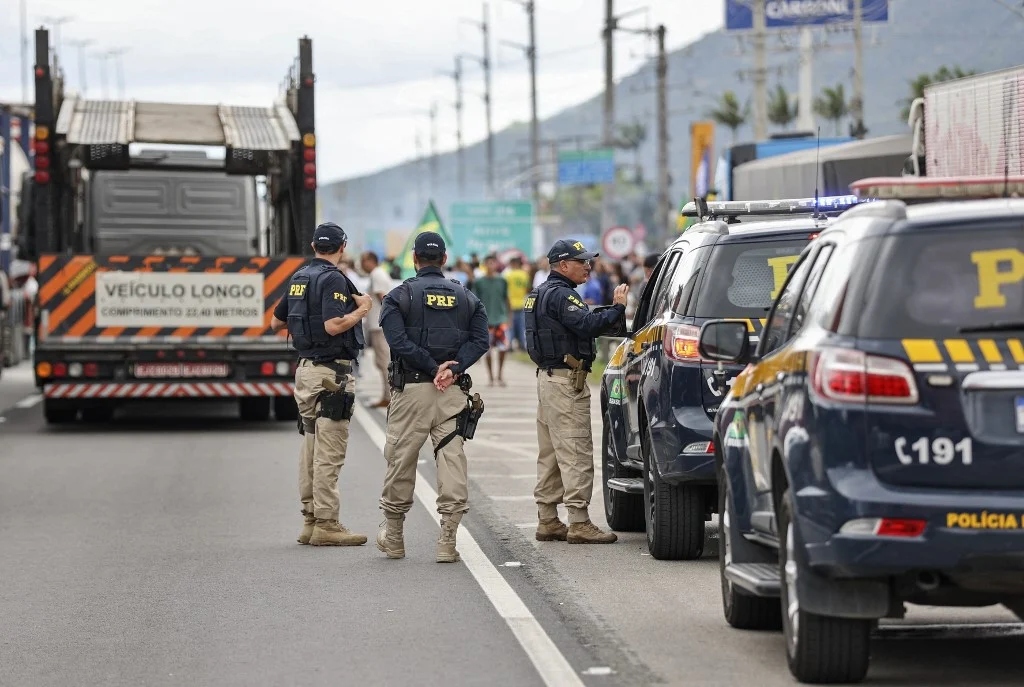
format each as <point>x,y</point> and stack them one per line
<point>922,81</point>
<point>729,113</point>
<point>832,105</point>
<point>781,111</point>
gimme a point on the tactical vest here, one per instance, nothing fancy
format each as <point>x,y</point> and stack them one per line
<point>306,322</point>
<point>547,340</point>
<point>437,315</point>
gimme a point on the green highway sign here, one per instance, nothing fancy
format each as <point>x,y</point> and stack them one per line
<point>487,227</point>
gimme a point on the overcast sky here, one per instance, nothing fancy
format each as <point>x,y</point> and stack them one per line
<point>378,63</point>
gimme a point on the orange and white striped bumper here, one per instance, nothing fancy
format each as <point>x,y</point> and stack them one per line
<point>167,389</point>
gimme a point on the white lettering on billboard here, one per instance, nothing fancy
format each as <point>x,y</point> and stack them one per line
<point>178,299</point>
<point>806,9</point>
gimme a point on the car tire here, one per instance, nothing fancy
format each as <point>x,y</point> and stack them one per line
<point>819,649</point>
<point>742,610</point>
<point>623,512</point>
<point>673,514</point>
<point>285,409</point>
<point>254,409</point>
<point>56,413</point>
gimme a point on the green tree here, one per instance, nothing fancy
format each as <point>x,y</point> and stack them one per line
<point>782,110</point>
<point>832,105</point>
<point>922,81</point>
<point>729,113</point>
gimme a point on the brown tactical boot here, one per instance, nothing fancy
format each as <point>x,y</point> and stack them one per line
<point>389,537</point>
<point>589,533</point>
<point>551,529</point>
<point>446,551</point>
<point>333,533</point>
<point>307,528</point>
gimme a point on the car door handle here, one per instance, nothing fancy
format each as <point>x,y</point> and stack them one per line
<point>780,376</point>
<point>759,388</point>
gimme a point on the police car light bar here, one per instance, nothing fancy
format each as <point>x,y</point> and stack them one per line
<point>938,188</point>
<point>789,206</point>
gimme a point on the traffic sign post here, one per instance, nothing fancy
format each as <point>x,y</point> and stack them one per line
<point>618,242</point>
<point>492,227</point>
<point>586,167</point>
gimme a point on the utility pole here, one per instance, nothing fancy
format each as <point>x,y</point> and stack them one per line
<point>857,106</point>
<point>485,63</point>
<point>24,53</point>
<point>608,125</point>
<point>433,149</point>
<point>459,159</point>
<point>760,72</point>
<point>57,22</point>
<point>663,181</point>
<point>82,44</point>
<point>531,54</point>
<point>116,53</point>
<point>103,57</point>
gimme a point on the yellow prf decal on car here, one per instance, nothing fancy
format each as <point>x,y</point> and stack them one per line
<point>983,521</point>
<point>996,269</point>
<point>780,270</point>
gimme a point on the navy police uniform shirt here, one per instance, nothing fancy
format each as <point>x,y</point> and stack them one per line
<point>566,307</point>
<point>336,300</point>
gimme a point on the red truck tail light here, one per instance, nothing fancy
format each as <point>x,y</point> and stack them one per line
<point>60,370</point>
<point>267,369</point>
<point>680,342</point>
<point>91,370</point>
<point>855,377</point>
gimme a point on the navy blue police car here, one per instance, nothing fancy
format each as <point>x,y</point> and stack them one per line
<point>658,396</point>
<point>871,452</point>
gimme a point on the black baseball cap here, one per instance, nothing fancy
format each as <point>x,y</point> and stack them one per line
<point>329,235</point>
<point>569,250</point>
<point>429,244</point>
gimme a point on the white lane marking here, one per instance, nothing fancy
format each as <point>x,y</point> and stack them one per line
<point>551,665</point>
<point>29,401</point>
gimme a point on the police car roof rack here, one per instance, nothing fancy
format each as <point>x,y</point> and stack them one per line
<point>730,209</point>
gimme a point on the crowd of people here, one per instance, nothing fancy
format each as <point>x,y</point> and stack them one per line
<point>502,288</point>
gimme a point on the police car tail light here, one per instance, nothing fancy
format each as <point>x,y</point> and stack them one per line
<point>855,377</point>
<point>885,527</point>
<point>680,342</point>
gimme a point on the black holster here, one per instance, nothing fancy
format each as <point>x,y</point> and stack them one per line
<point>465,422</point>
<point>337,405</point>
<point>396,375</point>
<point>306,425</point>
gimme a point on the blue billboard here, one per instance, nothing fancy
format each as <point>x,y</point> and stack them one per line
<point>786,14</point>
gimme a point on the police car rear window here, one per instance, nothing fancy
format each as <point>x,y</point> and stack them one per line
<point>742,279</point>
<point>934,283</point>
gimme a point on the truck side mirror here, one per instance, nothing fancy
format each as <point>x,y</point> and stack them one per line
<point>726,341</point>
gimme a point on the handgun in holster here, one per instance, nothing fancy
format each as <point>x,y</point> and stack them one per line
<point>335,402</point>
<point>396,375</point>
<point>577,373</point>
<point>465,422</point>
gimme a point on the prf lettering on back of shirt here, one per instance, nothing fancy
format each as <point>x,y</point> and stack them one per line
<point>297,290</point>
<point>436,300</point>
<point>780,270</point>
<point>340,297</point>
<point>996,269</point>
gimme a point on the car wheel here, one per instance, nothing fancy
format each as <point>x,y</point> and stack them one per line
<point>58,414</point>
<point>674,514</point>
<point>623,512</point>
<point>285,409</point>
<point>819,649</point>
<point>254,409</point>
<point>742,610</point>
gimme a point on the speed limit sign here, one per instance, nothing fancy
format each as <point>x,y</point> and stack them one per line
<point>618,242</point>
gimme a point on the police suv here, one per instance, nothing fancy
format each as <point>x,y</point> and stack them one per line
<point>871,453</point>
<point>658,397</point>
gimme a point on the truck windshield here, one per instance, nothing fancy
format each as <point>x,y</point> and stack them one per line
<point>942,283</point>
<point>741,279</point>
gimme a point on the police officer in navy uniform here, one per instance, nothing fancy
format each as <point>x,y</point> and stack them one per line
<point>436,329</point>
<point>323,312</point>
<point>560,333</point>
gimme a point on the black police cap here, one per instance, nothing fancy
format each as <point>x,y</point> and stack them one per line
<point>329,235</point>
<point>429,244</point>
<point>569,250</point>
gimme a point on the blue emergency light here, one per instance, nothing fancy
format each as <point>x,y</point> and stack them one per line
<point>789,206</point>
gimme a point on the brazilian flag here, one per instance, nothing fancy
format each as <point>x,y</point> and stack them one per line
<point>431,222</point>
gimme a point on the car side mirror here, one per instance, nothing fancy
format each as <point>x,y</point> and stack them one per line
<point>727,341</point>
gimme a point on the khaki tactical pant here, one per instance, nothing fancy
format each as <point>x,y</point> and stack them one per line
<point>323,452</point>
<point>565,463</point>
<point>417,412</point>
<point>381,356</point>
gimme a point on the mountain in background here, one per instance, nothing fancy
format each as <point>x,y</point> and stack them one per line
<point>920,37</point>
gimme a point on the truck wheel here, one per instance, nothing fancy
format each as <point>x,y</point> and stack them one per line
<point>285,409</point>
<point>819,649</point>
<point>674,514</point>
<point>623,512</point>
<point>254,409</point>
<point>742,610</point>
<point>57,414</point>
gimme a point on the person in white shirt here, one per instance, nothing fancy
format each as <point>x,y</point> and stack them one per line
<point>379,285</point>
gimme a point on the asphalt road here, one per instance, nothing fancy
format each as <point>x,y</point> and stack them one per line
<point>160,549</point>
